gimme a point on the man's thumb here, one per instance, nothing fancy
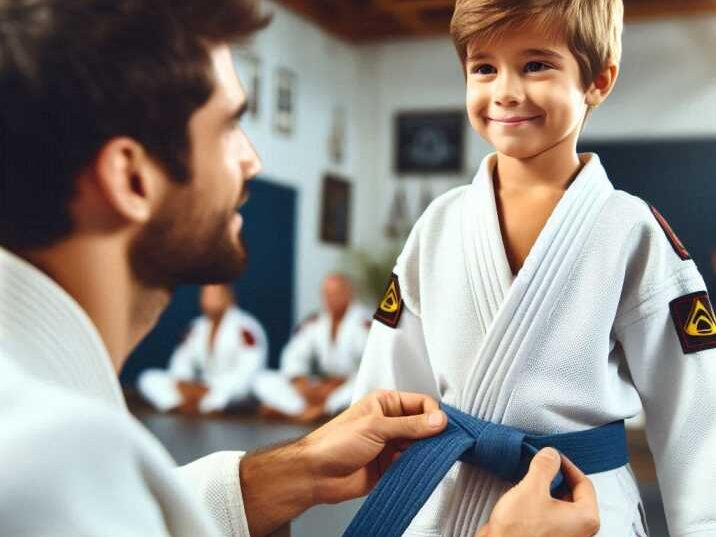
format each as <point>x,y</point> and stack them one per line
<point>543,468</point>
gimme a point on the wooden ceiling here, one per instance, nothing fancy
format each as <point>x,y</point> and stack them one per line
<point>374,20</point>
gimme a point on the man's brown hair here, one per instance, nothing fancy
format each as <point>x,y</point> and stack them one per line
<point>76,73</point>
<point>591,28</point>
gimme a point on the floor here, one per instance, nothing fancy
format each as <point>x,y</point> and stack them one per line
<point>189,438</point>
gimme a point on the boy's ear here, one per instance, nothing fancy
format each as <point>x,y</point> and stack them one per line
<point>602,86</point>
<point>128,180</point>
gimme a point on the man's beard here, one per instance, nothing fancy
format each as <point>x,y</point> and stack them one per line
<point>171,251</point>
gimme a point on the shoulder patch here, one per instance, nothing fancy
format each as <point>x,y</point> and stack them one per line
<point>248,338</point>
<point>391,305</point>
<point>675,242</point>
<point>694,321</point>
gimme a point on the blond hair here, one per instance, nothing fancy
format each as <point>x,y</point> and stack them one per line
<point>591,28</point>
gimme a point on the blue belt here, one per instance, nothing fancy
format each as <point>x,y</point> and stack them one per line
<point>503,451</point>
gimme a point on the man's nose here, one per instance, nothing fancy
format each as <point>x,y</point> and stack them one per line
<point>249,159</point>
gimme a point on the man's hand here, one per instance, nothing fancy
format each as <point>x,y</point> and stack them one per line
<point>528,510</point>
<point>349,454</point>
<point>342,460</point>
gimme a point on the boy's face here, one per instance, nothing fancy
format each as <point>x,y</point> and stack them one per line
<point>524,93</point>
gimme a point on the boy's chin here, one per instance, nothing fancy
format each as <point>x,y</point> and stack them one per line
<point>519,152</point>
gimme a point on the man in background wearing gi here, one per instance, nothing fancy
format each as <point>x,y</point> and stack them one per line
<point>215,365</point>
<point>319,363</point>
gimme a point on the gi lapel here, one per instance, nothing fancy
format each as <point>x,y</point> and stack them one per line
<point>514,324</point>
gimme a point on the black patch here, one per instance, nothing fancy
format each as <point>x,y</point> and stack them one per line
<point>675,242</point>
<point>694,321</point>
<point>391,305</point>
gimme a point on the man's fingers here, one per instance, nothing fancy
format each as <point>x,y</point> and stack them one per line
<point>411,427</point>
<point>543,469</point>
<point>580,485</point>
<point>396,404</point>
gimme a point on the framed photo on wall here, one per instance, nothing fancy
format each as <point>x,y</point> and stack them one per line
<point>430,142</point>
<point>249,67</point>
<point>335,210</point>
<point>285,105</point>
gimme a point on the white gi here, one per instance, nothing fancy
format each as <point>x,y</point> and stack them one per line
<point>581,337</point>
<point>312,342</point>
<point>228,369</point>
<point>73,461</point>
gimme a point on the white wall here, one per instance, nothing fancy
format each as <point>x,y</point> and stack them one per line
<point>667,88</point>
<point>326,71</point>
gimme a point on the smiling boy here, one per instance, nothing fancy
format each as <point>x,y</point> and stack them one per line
<point>539,296</point>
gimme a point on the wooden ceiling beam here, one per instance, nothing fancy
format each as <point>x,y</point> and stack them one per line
<point>381,19</point>
<point>399,6</point>
<point>661,9</point>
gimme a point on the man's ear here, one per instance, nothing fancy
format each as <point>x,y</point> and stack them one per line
<point>128,179</point>
<point>602,86</point>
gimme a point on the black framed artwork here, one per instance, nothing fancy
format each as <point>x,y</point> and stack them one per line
<point>430,142</point>
<point>335,210</point>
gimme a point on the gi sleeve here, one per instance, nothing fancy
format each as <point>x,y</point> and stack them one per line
<point>296,355</point>
<point>668,341</point>
<point>181,363</point>
<point>215,479</point>
<point>396,358</point>
<point>252,349</point>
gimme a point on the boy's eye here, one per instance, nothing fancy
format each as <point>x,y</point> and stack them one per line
<point>484,69</point>
<point>536,67</point>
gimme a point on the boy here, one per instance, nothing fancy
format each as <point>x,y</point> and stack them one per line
<point>541,298</point>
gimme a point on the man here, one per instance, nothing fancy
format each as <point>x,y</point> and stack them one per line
<point>215,365</point>
<point>319,363</point>
<point>121,164</point>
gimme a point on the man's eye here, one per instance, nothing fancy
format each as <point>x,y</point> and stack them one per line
<point>536,67</point>
<point>484,69</point>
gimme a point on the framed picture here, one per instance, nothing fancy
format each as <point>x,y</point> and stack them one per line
<point>429,142</point>
<point>335,210</point>
<point>285,110</point>
<point>249,68</point>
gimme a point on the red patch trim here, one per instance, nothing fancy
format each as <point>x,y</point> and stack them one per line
<point>681,308</point>
<point>390,307</point>
<point>248,337</point>
<point>674,240</point>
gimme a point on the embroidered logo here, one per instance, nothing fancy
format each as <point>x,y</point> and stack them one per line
<point>675,242</point>
<point>391,305</point>
<point>694,321</point>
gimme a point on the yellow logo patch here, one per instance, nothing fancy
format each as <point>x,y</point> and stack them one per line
<point>391,300</point>
<point>694,321</point>
<point>701,321</point>
<point>391,306</point>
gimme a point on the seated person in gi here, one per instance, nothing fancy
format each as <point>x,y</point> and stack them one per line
<point>539,296</point>
<point>215,366</point>
<point>319,362</point>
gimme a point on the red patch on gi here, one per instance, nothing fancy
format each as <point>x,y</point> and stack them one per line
<point>675,242</point>
<point>694,321</point>
<point>391,305</point>
<point>248,337</point>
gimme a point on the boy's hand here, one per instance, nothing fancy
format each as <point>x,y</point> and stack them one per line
<point>528,509</point>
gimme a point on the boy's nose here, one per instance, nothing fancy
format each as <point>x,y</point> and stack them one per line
<point>508,91</point>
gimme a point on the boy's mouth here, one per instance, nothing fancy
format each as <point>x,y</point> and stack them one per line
<point>512,121</point>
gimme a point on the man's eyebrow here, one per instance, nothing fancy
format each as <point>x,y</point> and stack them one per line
<point>545,52</point>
